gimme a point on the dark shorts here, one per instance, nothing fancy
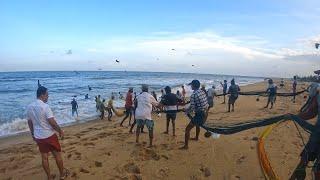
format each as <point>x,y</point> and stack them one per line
<point>210,101</point>
<point>232,99</point>
<point>49,144</point>
<point>311,152</point>
<point>129,110</point>
<point>272,98</point>
<point>171,116</point>
<point>199,118</point>
<point>147,122</point>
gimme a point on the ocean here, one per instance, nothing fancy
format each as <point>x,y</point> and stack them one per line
<point>18,89</point>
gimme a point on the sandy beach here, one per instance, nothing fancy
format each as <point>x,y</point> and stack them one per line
<point>102,150</point>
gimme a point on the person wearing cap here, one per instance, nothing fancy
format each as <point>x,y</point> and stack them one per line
<point>233,94</point>
<point>128,106</point>
<point>144,103</point>
<point>170,102</point>
<point>272,92</point>
<point>199,106</point>
<point>211,93</point>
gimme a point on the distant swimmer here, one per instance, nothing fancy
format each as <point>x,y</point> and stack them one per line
<point>86,96</point>
<point>74,107</point>
<point>317,45</point>
<point>117,61</point>
<point>89,88</point>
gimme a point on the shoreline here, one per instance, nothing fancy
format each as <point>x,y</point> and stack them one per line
<point>100,149</point>
<point>94,117</point>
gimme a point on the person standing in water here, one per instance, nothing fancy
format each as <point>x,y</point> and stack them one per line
<point>74,105</point>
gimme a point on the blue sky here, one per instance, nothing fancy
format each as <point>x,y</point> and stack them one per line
<point>268,38</point>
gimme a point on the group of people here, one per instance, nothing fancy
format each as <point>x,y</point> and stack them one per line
<point>102,106</point>
<point>43,126</point>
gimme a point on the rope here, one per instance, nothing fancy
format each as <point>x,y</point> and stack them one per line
<point>263,158</point>
<point>238,127</point>
<point>264,93</point>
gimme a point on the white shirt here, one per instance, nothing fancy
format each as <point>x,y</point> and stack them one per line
<point>144,107</point>
<point>211,92</point>
<point>39,113</point>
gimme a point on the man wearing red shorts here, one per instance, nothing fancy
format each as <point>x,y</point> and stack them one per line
<point>43,127</point>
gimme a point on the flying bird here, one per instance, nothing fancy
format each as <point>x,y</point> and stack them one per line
<point>69,52</point>
<point>117,61</point>
<point>317,45</point>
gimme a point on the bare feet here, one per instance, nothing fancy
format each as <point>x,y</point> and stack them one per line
<point>65,174</point>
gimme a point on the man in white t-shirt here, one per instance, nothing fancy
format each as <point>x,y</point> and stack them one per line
<point>42,127</point>
<point>143,104</point>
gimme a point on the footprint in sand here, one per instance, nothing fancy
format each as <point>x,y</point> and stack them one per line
<point>163,172</point>
<point>206,171</point>
<point>241,159</point>
<point>93,139</point>
<point>98,164</point>
<point>134,177</point>
<point>89,144</point>
<point>84,170</point>
<point>131,168</point>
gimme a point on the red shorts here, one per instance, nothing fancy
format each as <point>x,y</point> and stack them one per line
<point>49,144</point>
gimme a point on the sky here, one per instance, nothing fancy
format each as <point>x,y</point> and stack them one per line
<point>273,38</point>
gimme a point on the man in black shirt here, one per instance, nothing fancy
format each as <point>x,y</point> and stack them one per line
<point>170,101</point>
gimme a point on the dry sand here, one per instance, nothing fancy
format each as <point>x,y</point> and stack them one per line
<point>102,150</point>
